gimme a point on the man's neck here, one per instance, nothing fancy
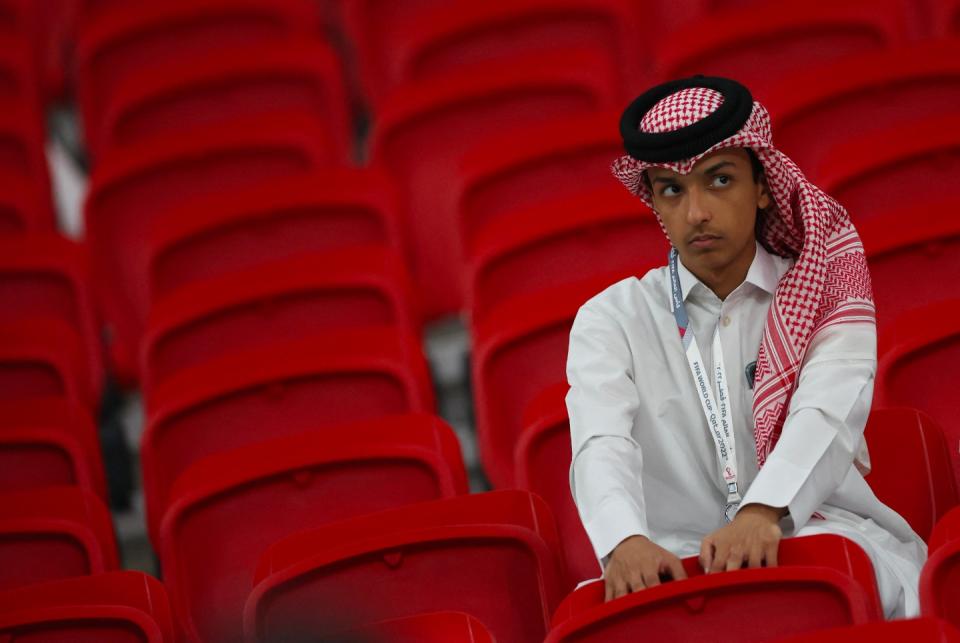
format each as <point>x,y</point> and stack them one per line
<point>726,279</point>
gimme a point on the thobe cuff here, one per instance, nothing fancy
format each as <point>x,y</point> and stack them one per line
<point>615,520</point>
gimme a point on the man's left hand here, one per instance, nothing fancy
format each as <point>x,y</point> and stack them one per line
<point>752,539</point>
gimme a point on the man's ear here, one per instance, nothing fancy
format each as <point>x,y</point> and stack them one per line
<point>763,193</point>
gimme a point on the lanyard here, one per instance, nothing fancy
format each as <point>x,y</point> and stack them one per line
<point>717,411</point>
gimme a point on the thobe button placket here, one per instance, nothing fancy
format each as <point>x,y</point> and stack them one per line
<point>726,321</point>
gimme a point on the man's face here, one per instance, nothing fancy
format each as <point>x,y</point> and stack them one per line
<point>710,213</point>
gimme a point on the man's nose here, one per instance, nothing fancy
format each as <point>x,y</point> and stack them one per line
<point>697,211</point>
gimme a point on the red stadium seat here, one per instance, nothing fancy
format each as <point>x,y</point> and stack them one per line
<point>860,95</point>
<point>46,276</point>
<point>43,357</point>
<point>115,607</point>
<point>429,627</point>
<point>605,232</point>
<point>253,496</point>
<point>132,190</point>
<point>520,348</point>
<point>243,229</point>
<point>921,342</point>
<point>940,576</point>
<point>52,533</point>
<point>917,630</point>
<point>424,130</point>
<point>910,466</point>
<point>275,390</point>
<point>871,173</point>
<point>462,37</point>
<point>914,256</point>
<point>946,17</point>
<point>24,206</point>
<point>489,555</point>
<point>542,459</point>
<point>821,581</point>
<point>295,298</point>
<point>763,41</point>
<point>22,149</point>
<point>49,441</point>
<point>131,38</point>
<point>561,158</point>
<point>297,76</point>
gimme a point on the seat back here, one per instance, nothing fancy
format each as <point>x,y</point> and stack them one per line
<point>398,563</point>
<point>426,128</point>
<point>44,357</point>
<point>429,627</point>
<point>941,572</point>
<point>277,389</point>
<point>254,496</point>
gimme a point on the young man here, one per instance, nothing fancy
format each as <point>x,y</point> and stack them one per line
<point>718,404</point>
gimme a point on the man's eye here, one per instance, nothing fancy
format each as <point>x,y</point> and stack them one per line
<point>670,190</point>
<point>720,180</point>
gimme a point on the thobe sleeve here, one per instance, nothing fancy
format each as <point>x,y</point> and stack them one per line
<point>823,431</point>
<point>602,404</point>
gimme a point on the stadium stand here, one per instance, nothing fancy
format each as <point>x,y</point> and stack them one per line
<point>112,607</point>
<point>428,627</point>
<point>454,554</point>
<point>24,207</point>
<point>821,581</point>
<point>914,629</point>
<point>283,486</point>
<point>52,533</point>
<point>941,572</point>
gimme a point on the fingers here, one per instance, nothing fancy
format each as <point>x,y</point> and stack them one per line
<point>675,567</point>
<point>706,554</point>
<point>650,577</point>
<point>756,557</point>
<point>734,559</point>
<point>771,554</point>
<point>719,561</point>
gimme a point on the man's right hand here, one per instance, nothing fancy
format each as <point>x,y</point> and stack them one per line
<point>637,563</point>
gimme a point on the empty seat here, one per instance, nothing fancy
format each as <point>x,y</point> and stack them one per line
<point>946,17</point>
<point>274,390</point>
<point>424,129</point>
<point>254,496</point>
<point>475,554</point>
<point>520,348</point>
<point>928,630</point>
<point>46,276</point>
<point>296,76</point>
<point>763,41</point>
<point>114,607</point>
<point>821,581</point>
<point>22,149</point>
<point>914,256</point>
<point>44,357</point>
<point>897,167</point>
<point>542,460</point>
<point>293,298</point>
<point>24,206</point>
<point>133,37</point>
<point>51,533</point>
<point>915,349</point>
<point>559,158</point>
<point>461,37</point>
<point>428,627</point>
<point>940,576</point>
<point>49,441</point>
<point>605,232</point>
<point>131,190</point>
<point>275,219</point>
<point>859,95</point>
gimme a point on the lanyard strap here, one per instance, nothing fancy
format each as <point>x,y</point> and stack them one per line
<point>716,411</point>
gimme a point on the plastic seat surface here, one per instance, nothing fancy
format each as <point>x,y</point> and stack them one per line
<point>52,533</point>
<point>298,297</point>
<point>424,130</point>
<point>941,572</point>
<point>49,441</point>
<point>821,581</point>
<point>112,607</point>
<point>946,18</point>
<point>299,76</point>
<point>520,348</point>
<point>254,496</point>
<point>46,276</point>
<point>563,157</point>
<point>867,174</point>
<point>25,208</point>
<point>915,348</point>
<point>458,38</point>
<point>605,232</point>
<point>811,107</point>
<point>44,357</point>
<point>472,554</point>
<point>275,219</point>
<point>928,630</point>
<point>429,627</point>
<point>132,190</point>
<point>129,39</point>
<point>767,40</point>
<point>22,147</point>
<point>274,390</point>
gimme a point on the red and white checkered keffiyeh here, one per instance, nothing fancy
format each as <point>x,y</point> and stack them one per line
<point>829,284</point>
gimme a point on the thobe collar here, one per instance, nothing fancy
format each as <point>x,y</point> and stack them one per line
<point>762,274</point>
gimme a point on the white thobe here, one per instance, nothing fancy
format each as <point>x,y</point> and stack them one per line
<point>644,462</point>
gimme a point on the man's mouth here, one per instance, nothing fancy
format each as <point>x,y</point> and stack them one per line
<point>704,240</point>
